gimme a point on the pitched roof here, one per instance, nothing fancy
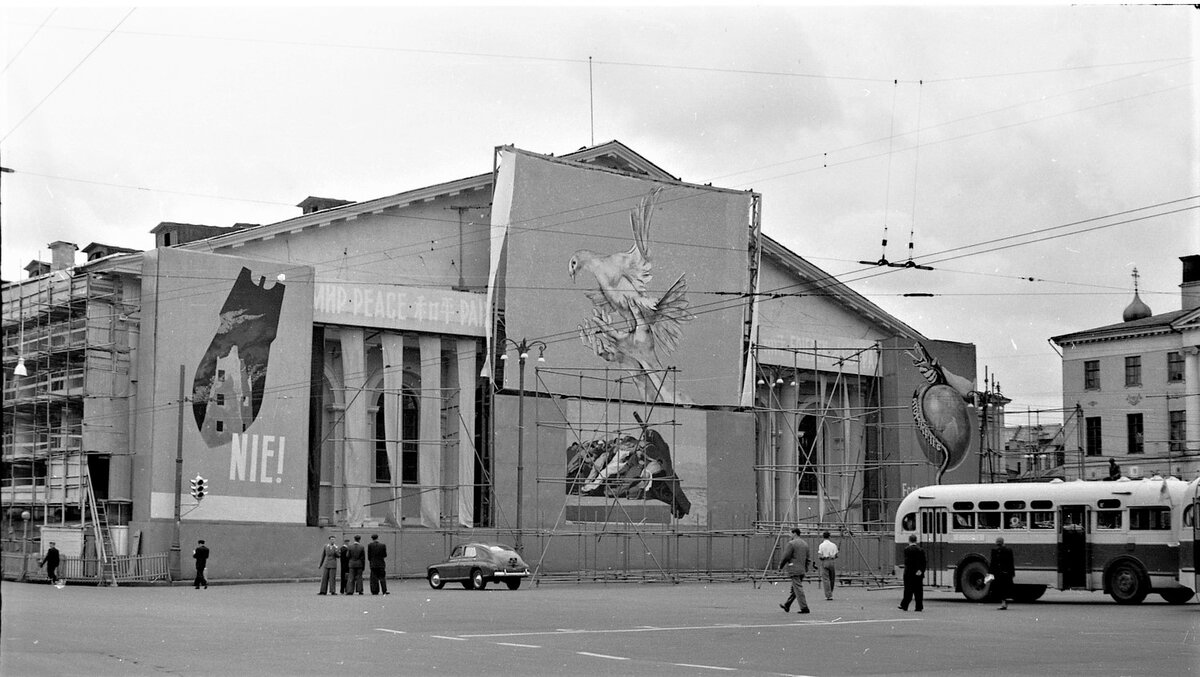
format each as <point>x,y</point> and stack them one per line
<point>829,286</point>
<point>1155,324</point>
<point>612,155</point>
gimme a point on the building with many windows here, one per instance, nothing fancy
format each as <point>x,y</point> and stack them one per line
<point>1132,390</point>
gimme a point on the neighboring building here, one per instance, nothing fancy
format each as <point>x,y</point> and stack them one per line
<point>1035,453</point>
<point>1132,390</point>
<point>355,368</point>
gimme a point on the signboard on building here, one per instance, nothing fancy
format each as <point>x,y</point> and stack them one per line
<point>235,335</point>
<point>392,306</point>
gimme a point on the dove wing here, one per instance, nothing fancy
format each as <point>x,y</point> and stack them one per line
<point>670,312</point>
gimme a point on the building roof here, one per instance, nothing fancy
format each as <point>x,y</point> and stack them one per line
<point>1162,323</point>
<point>823,284</point>
<point>612,155</point>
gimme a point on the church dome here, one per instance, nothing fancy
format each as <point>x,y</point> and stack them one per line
<point>1136,310</point>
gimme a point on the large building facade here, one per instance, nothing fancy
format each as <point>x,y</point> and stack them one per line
<point>1132,390</point>
<point>584,354</point>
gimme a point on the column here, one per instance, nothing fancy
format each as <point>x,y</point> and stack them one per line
<point>1191,389</point>
<point>358,450</point>
<point>393,414</point>
<point>430,444</point>
<point>468,373</point>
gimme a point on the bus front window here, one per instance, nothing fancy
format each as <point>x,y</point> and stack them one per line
<point>909,523</point>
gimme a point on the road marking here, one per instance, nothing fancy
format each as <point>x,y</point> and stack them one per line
<point>394,632</point>
<point>457,639</point>
<point>523,646</point>
<point>705,667</point>
<point>600,655</point>
<point>789,624</point>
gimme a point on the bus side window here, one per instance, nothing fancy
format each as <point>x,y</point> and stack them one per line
<point>1041,519</point>
<point>989,520</point>
<point>1014,520</point>
<point>1154,518</point>
<point>964,520</point>
<point>909,523</point>
<point>1108,519</point>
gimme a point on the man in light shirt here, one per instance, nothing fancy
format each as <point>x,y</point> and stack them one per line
<point>827,552</point>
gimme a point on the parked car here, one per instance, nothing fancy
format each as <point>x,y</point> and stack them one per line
<point>477,564</point>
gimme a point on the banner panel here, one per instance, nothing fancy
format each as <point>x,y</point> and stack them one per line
<point>642,284</point>
<point>241,332</point>
<point>632,464</point>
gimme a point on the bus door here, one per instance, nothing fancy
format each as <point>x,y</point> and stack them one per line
<point>1196,541</point>
<point>1073,556</point>
<point>933,537</point>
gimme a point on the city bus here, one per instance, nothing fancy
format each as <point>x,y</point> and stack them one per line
<point>1128,538</point>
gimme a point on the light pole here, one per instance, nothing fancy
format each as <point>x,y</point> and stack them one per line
<point>522,349</point>
<point>25,545</point>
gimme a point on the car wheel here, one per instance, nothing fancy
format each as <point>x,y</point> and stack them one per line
<point>477,580</point>
<point>1177,595</point>
<point>513,583</point>
<point>970,581</point>
<point>435,580</point>
<point>1127,584</point>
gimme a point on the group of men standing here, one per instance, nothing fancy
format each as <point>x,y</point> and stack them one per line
<point>353,558</point>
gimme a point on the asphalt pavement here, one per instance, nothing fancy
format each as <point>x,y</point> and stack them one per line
<point>589,629</point>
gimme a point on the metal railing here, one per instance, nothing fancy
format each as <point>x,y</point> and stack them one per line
<point>120,569</point>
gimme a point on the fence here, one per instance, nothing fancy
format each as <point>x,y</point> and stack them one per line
<point>122,569</point>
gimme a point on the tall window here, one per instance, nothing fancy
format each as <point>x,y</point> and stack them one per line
<point>1133,371</point>
<point>1178,429</point>
<point>1091,375</point>
<point>1134,430</point>
<point>808,459</point>
<point>1174,367</point>
<point>410,432</point>
<point>1091,426</point>
<point>383,470</point>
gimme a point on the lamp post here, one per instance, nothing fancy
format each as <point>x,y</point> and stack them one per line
<point>25,545</point>
<point>522,349</point>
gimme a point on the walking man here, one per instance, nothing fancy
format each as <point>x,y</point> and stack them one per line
<point>376,554</point>
<point>358,561</point>
<point>914,570</point>
<point>795,562</point>
<point>827,552</point>
<point>1003,571</point>
<point>50,561</point>
<point>200,554</point>
<point>328,566</point>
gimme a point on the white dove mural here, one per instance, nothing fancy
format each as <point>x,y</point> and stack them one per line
<point>629,325</point>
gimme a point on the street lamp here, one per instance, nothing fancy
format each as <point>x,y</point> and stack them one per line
<point>522,353</point>
<point>25,545</point>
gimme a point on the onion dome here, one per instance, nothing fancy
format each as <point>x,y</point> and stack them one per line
<point>1136,310</point>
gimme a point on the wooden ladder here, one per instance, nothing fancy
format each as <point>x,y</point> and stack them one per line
<point>104,544</point>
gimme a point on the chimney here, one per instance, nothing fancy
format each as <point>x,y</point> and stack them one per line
<point>1190,287</point>
<point>62,255</point>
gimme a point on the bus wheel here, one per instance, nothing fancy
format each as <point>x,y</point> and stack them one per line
<point>1177,595</point>
<point>1127,584</point>
<point>1028,593</point>
<point>970,581</point>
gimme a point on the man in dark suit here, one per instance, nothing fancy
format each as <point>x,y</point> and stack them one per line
<point>50,561</point>
<point>376,554</point>
<point>358,561</point>
<point>200,554</point>
<point>344,558</point>
<point>1003,571</point>
<point>795,562</point>
<point>914,571</point>
<point>328,566</point>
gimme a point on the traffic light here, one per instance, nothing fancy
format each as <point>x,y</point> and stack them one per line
<point>199,487</point>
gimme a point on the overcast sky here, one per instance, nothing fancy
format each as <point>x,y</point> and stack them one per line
<point>1036,155</point>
